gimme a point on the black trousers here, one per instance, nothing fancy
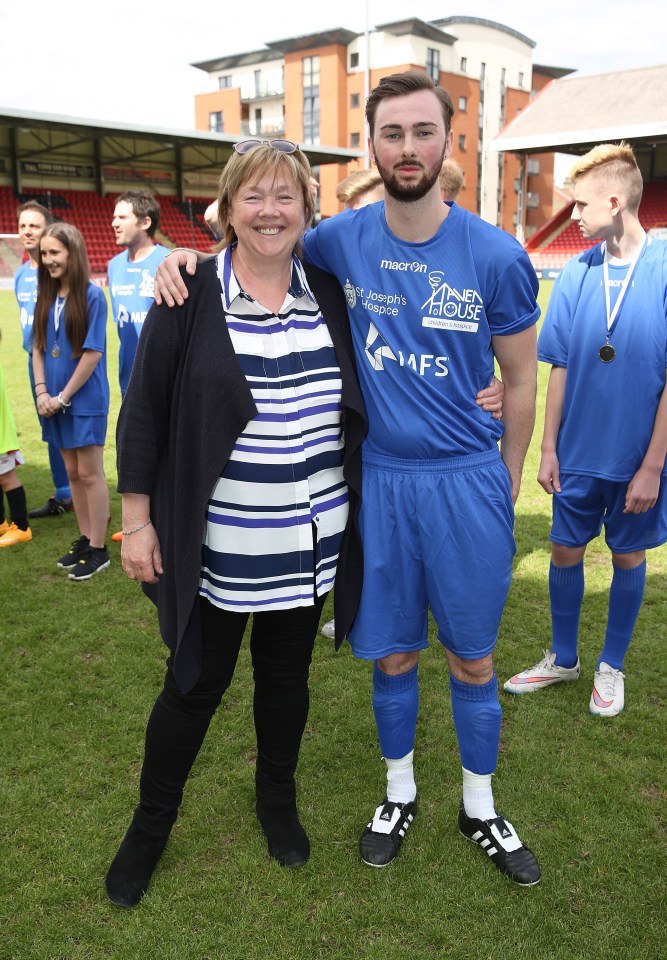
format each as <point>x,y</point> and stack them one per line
<point>281,646</point>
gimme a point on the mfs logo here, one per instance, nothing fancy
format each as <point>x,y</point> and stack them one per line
<point>378,352</point>
<point>377,349</point>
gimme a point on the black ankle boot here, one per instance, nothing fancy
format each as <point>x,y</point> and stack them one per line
<point>131,871</point>
<point>287,840</point>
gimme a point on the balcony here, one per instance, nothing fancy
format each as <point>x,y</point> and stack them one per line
<point>263,128</point>
<point>262,91</point>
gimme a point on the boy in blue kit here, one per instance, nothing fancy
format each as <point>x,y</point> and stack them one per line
<point>131,273</point>
<point>33,221</point>
<point>434,295</point>
<point>605,428</point>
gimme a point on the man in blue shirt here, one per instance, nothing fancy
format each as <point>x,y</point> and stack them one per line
<point>33,219</point>
<point>434,295</point>
<point>605,427</point>
<point>132,272</point>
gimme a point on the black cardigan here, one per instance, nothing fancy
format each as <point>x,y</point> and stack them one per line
<point>186,405</point>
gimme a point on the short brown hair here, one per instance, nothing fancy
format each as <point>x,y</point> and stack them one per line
<point>242,168</point>
<point>615,165</point>
<point>399,85</point>
<point>143,205</point>
<point>38,208</point>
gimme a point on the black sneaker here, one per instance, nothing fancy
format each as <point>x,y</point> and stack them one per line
<point>95,559</point>
<point>52,508</point>
<point>381,840</point>
<point>75,553</point>
<point>499,839</point>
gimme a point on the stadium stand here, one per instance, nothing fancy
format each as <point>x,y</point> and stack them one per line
<point>560,239</point>
<point>181,222</point>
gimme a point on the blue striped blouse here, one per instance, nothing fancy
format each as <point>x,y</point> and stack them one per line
<point>283,486</point>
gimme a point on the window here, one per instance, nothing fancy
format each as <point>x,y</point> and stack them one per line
<point>354,60</point>
<point>463,104</point>
<point>216,123</point>
<point>433,64</point>
<point>225,82</point>
<point>355,139</point>
<point>533,167</point>
<point>520,79</point>
<point>464,64</point>
<point>462,141</point>
<point>310,79</point>
<point>354,101</point>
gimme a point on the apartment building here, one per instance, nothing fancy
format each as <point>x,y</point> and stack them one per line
<point>312,89</point>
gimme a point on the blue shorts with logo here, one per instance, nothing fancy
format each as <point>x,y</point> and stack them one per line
<point>436,533</point>
<point>586,503</point>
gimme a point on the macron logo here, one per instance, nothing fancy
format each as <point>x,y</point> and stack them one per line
<point>413,267</point>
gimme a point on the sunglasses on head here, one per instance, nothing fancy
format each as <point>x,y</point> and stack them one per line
<point>282,146</point>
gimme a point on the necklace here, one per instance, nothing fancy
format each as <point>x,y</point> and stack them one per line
<point>58,308</point>
<point>607,351</point>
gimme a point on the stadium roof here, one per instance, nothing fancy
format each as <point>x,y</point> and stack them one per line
<point>572,114</point>
<point>29,137</point>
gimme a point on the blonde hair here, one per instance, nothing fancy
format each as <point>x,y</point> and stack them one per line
<point>253,166</point>
<point>614,166</point>
<point>450,180</point>
<point>356,185</point>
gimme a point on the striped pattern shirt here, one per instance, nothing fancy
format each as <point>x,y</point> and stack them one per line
<point>283,486</point>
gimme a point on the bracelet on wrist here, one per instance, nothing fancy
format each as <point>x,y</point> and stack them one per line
<point>128,533</point>
<point>42,393</point>
<point>63,404</point>
<point>41,383</point>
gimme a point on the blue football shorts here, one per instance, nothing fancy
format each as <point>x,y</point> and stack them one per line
<point>586,503</point>
<point>69,432</point>
<point>436,533</point>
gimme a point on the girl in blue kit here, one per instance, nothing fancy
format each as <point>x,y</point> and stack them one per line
<point>71,386</point>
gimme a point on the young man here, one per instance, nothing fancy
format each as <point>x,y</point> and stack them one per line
<point>605,426</point>
<point>451,180</point>
<point>434,294</point>
<point>33,219</point>
<point>131,273</point>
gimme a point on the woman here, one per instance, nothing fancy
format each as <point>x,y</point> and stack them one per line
<point>240,495</point>
<point>71,386</point>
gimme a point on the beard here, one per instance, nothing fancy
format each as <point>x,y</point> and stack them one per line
<point>409,192</point>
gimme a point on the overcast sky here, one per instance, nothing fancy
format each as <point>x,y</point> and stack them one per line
<point>128,60</point>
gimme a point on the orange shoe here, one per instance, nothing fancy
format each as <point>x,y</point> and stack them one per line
<point>4,527</point>
<point>15,535</point>
<point>117,536</point>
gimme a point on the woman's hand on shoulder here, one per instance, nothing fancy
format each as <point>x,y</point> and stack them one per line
<point>141,556</point>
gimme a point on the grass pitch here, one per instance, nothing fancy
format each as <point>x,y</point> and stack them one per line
<point>82,663</point>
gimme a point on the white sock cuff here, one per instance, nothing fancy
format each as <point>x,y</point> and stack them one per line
<point>476,781</point>
<point>402,765</point>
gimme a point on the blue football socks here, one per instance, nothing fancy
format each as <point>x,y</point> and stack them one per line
<point>625,600</point>
<point>566,591</point>
<point>477,716</point>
